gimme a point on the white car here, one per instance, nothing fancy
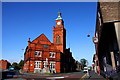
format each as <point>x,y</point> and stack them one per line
<point>85,69</point>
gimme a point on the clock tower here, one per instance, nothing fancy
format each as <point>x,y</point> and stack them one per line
<point>59,34</point>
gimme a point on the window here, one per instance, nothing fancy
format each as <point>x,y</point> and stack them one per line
<point>45,46</point>
<point>37,64</point>
<point>38,53</point>
<point>99,19</point>
<point>58,39</point>
<point>52,54</point>
<point>52,67</point>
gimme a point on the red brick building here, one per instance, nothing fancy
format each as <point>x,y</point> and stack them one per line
<point>4,64</point>
<point>43,56</point>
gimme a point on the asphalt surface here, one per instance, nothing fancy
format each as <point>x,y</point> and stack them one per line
<point>60,76</point>
<point>94,76</point>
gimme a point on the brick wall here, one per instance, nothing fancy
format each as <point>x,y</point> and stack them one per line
<point>4,64</point>
<point>110,11</point>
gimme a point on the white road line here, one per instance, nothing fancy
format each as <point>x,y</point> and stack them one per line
<point>66,76</point>
<point>61,77</point>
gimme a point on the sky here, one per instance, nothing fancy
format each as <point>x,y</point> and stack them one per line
<point>23,20</point>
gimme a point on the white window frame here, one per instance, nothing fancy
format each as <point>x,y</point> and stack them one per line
<point>37,64</point>
<point>39,53</point>
<point>52,66</point>
<point>52,63</point>
<point>52,54</point>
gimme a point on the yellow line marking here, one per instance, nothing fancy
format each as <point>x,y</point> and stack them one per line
<point>83,76</point>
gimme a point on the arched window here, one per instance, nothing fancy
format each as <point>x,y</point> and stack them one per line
<point>58,39</point>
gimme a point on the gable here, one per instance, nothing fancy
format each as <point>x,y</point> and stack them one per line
<point>42,39</point>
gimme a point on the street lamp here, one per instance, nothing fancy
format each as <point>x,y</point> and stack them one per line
<point>87,68</point>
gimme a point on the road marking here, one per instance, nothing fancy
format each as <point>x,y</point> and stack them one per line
<point>55,77</point>
<point>68,73</point>
<point>66,76</point>
<point>83,76</point>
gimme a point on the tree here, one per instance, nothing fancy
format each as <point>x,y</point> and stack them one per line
<point>15,65</point>
<point>8,65</point>
<point>21,63</point>
<point>83,62</point>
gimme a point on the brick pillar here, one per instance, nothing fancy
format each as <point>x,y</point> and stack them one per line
<point>113,60</point>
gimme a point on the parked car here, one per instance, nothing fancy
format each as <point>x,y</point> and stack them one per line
<point>85,69</point>
<point>6,74</point>
<point>11,68</point>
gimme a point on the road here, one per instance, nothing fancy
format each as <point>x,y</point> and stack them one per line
<point>60,76</point>
<point>69,76</point>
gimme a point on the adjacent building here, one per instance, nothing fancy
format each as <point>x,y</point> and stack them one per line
<point>107,38</point>
<point>78,66</point>
<point>4,64</point>
<point>43,56</point>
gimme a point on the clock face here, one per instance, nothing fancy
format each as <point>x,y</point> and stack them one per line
<point>58,23</point>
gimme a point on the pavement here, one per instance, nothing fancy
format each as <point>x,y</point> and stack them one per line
<point>94,76</point>
<point>115,77</point>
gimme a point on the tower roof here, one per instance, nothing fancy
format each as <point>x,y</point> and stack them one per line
<point>59,16</point>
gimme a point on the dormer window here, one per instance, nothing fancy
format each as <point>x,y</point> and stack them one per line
<point>38,53</point>
<point>52,54</point>
<point>45,46</point>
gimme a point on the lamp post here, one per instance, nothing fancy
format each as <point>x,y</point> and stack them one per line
<point>87,69</point>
